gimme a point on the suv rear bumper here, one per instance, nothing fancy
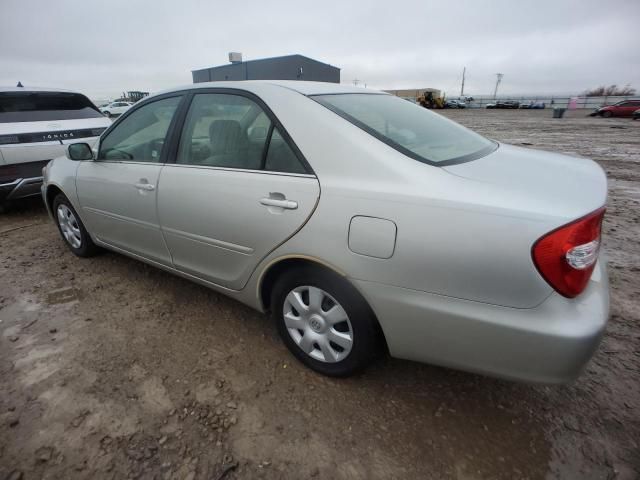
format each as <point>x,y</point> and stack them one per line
<point>550,343</point>
<point>20,188</point>
<point>21,180</point>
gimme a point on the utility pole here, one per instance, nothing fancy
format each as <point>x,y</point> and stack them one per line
<point>462,87</point>
<point>356,82</point>
<point>498,80</point>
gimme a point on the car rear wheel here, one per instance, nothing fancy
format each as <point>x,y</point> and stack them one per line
<point>72,229</point>
<point>607,114</point>
<point>325,322</point>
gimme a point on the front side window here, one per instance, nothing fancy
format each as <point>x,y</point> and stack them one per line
<point>232,131</point>
<point>141,135</point>
<point>410,129</point>
<point>44,106</point>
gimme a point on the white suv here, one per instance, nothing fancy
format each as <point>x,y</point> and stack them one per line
<point>115,108</point>
<point>35,127</point>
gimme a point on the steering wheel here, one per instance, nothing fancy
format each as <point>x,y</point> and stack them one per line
<point>115,154</point>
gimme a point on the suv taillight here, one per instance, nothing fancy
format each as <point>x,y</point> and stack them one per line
<point>567,256</point>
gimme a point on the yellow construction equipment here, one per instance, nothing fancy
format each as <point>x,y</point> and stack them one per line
<point>428,100</point>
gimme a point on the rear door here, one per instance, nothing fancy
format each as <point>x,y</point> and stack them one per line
<point>239,188</point>
<point>117,192</point>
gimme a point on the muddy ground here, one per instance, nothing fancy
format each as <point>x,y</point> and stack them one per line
<point>112,369</point>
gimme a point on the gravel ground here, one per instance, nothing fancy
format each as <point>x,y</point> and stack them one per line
<point>113,369</point>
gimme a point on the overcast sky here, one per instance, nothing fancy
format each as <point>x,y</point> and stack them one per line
<point>105,47</point>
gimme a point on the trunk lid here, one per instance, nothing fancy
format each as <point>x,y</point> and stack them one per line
<point>539,182</point>
<point>24,142</point>
<point>15,128</point>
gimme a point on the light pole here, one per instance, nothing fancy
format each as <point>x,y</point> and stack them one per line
<point>498,80</point>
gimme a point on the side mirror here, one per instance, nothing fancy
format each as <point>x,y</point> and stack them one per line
<point>79,151</point>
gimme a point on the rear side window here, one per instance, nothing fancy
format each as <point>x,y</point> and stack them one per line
<point>233,131</point>
<point>280,157</point>
<point>411,129</point>
<point>45,106</point>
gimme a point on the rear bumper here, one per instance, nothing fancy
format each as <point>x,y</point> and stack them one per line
<point>550,343</point>
<point>20,188</point>
<point>21,180</point>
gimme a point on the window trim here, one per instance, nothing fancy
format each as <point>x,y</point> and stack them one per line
<point>396,146</point>
<point>241,170</point>
<point>174,140</point>
<point>134,108</point>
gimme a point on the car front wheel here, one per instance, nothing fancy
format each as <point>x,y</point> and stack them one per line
<point>325,322</point>
<point>72,229</point>
<point>607,114</point>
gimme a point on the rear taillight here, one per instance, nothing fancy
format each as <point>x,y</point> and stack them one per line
<point>567,256</point>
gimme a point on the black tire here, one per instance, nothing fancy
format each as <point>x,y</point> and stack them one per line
<point>87,248</point>
<point>366,334</point>
<point>107,114</point>
<point>606,114</point>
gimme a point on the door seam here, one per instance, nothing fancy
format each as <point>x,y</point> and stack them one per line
<point>164,239</point>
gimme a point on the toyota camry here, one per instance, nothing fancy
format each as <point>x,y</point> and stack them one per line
<point>363,223</point>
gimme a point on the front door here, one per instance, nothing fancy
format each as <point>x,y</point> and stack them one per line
<point>236,192</point>
<point>117,192</point>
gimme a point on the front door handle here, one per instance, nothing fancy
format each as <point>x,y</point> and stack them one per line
<point>281,203</point>
<point>145,186</point>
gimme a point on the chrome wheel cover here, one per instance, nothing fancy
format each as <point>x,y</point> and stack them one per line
<point>318,324</point>
<point>69,226</point>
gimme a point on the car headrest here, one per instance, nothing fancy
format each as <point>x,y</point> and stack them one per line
<point>225,135</point>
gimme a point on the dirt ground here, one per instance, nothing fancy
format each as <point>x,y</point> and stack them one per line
<point>113,369</point>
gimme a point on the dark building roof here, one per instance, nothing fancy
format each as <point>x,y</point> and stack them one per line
<point>289,67</point>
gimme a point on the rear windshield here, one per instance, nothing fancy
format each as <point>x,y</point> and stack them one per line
<point>409,128</point>
<point>39,106</point>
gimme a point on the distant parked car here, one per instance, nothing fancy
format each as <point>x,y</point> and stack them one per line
<point>455,104</point>
<point>116,108</point>
<point>363,224</point>
<point>503,104</point>
<point>636,114</point>
<point>35,126</point>
<point>533,105</point>
<point>625,108</point>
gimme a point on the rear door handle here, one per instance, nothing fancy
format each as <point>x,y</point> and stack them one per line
<point>275,202</point>
<point>145,186</point>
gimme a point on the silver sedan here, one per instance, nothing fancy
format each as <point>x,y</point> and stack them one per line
<point>362,222</point>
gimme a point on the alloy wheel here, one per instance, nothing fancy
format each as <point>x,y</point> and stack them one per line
<point>69,226</point>
<point>318,324</point>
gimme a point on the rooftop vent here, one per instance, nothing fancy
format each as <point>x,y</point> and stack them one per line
<point>235,57</point>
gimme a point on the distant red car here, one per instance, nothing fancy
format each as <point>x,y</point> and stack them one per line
<point>620,109</point>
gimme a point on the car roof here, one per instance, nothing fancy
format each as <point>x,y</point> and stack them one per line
<point>35,89</point>
<point>303,87</point>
